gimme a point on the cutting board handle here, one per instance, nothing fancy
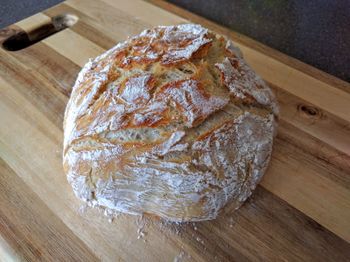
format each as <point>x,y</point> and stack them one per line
<point>37,32</point>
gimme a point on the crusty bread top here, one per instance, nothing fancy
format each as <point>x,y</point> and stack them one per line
<point>164,96</point>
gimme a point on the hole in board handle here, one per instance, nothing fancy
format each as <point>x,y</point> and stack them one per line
<point>24,39</point>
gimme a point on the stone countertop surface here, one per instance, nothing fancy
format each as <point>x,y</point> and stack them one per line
<point>316,32</point>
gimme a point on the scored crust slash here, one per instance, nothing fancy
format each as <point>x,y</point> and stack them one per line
<point>171,122</point>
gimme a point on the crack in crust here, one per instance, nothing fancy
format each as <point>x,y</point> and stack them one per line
<point>171,122</point>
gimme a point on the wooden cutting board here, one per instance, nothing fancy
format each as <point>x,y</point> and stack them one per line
<point>301,210</point>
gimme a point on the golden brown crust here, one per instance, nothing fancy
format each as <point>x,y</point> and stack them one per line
<point>170,122</point>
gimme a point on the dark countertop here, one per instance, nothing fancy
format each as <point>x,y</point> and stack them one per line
<point>12,11</point>
<point>316,32</point>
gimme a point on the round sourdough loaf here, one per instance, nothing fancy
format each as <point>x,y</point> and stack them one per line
<point>171,122</point>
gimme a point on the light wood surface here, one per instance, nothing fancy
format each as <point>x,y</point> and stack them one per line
<point>300,212</point>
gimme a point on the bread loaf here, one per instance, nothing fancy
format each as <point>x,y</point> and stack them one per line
<point>171,122</point>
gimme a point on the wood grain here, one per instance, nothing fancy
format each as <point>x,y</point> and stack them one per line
<point>301,211</point>
<point>43,235</point>
<point>314,121</point>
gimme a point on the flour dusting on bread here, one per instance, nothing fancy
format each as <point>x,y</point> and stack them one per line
<point>172,123</point>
